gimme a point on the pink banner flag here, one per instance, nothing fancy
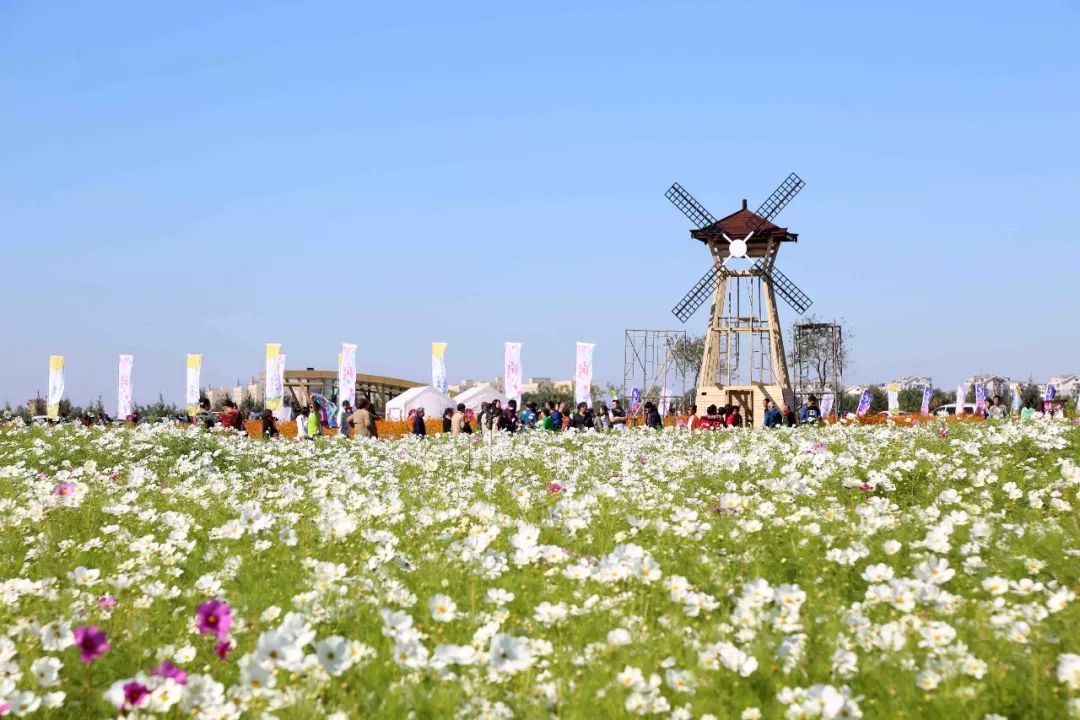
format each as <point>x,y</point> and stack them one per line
<point>347,374</point>
<point>583,373</point>
<point>512,371</point>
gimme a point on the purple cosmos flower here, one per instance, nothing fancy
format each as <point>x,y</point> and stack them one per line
<point>91,642</point>
<point>135,694</point>
<point>223,649</point>
<point>555,487</point>
<point>63,489</point>
<point>215,616</point>
<point>167,670</point>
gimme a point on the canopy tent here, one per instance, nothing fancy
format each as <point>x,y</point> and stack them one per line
<point>425,396</point>
<point>474,397</point>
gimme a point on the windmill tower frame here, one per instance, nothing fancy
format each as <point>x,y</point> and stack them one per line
<point>744,362</point>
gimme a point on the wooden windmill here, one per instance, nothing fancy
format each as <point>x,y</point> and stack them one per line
<point>744,361</point>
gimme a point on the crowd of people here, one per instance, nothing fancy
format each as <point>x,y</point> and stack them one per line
<point>360,421</point>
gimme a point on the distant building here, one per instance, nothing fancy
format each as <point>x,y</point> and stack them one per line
<point>910,382</point>
<point>1065,384</point>
<point>994,384</point>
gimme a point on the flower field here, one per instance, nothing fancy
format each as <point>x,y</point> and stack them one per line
<point>926,571</point>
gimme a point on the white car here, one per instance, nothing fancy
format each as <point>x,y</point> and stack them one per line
<point>950,408</point>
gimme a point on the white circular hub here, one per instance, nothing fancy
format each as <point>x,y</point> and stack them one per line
<point>737,248</point>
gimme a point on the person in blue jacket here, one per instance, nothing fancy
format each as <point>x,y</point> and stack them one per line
<point>772,414</point>
<point>810,412</point>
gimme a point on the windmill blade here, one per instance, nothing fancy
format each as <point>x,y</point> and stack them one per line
<point>779,199</point>
<point>690,207</point>
<point>789,291</point>
<point>697,295</point>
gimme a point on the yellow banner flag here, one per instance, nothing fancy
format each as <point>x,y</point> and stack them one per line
<point>191,392</point>
<point>438,366</point>
<point>275,390</point>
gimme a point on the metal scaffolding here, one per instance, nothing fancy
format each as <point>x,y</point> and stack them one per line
<point>651,364</point>
<point>818,356</point>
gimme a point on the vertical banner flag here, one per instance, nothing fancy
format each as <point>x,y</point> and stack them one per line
<point>583,373</point>
<point>980,398</point>
<point>56,385</point>
<point>275,387</point>
<point>665,401</point>
<point>282,411</point>
<point>960,399</point>
<point>191,388</point>
<point>347,374</point>
<point>438,366</point>
<point>1015,387</point>
<point>927,393</point>
<point>894,398</point>
<point>1050,393</point>
<point>635,400</point>
<point>123,389</point>
<point>827,401</point>
<point>512,371</point>
<point>864,402</point>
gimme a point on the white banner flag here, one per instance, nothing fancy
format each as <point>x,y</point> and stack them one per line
<point>893,391</point>
<point>438,366</point>
<point>1015,387</point>
<point>123,390</point>
<point>56,386</point>
<point>959,399</point>
<point>191,389</point>
<point>665,401</point>
<point>583,373</point>
<point>826,404</point>
<point>275,385</point>
<point>512,371</point>
<point>347,374</point>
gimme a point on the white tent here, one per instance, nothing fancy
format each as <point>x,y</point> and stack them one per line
<point>474,397</point>
<point>427,397</point>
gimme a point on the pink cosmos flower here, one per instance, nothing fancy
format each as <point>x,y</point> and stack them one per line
<point>135,694</point>
<point>167,670</point>
<point>943,432</point>
<point>63,489</point>
<point>91,642</point>
<point>555,487</point>
<point>215,616</point>
<point>5,708</point>
<point>106,602</point>
<point>222,649</point>
<point>865,487</point>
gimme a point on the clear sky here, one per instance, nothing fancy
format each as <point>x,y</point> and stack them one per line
<point>207,177</point>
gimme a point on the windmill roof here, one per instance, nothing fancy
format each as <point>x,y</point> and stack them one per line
<point>737,226</point>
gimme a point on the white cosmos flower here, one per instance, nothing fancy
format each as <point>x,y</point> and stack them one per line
<point>499,597</point>
<point>510,654</point>
<point>46,670</point>
<point>443,608</point>
<point>333,654</point>
<point>84,577</point>
<point>1068,670</point>
<point>57,636</point>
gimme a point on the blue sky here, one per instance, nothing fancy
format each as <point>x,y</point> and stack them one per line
<point>211,176</point>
